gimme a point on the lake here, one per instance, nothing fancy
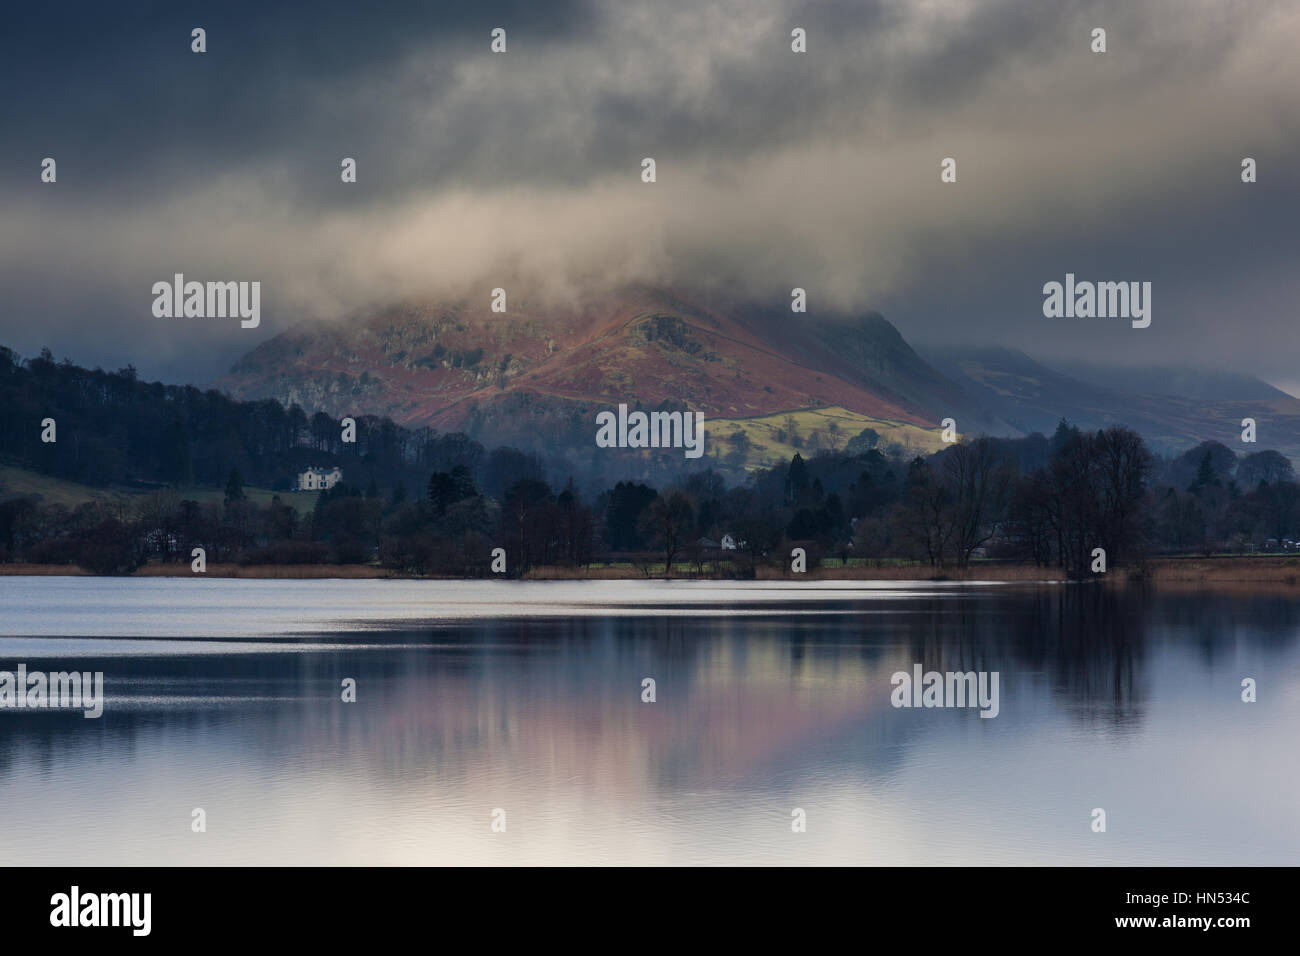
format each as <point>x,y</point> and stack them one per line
<point>479,696</point>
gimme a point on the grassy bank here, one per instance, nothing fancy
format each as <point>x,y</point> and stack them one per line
<point>1195,572</point>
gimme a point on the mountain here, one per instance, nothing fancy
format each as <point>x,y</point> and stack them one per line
<point>1174,409</point>
<point>768,381</point>
<point>538,374</point>
<point>1023,392</point>
<point>1199,383</point>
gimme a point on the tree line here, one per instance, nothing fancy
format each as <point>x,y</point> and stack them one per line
<point>420,502</point>
<point>1047,502</point>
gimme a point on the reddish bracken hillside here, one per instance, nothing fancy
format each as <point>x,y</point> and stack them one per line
<point>504,375</point>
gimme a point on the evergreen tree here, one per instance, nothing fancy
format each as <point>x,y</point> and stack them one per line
<point>796,480</point>
<point>1205,475</point>
<point>234,486</point>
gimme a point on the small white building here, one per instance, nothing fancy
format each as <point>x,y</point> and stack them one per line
<point>728,543</point>
<point>319,479</point>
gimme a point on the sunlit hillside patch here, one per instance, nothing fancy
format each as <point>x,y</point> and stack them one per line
<point>776,438</point>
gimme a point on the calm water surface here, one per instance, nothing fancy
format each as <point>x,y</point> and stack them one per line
<point>472,696</point>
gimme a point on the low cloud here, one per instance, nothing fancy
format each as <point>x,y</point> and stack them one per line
<point>775,169</point>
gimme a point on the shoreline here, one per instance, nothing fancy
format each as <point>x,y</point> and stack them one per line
<point>1277,571</point>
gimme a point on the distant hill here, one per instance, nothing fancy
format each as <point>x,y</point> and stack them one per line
<point>1023,392</point>
<point>121,437</point>
<point>1033,397</point>
<point>1199,383</point>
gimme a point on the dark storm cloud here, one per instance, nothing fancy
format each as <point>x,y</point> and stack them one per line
<point>775,169</point>
<point>117,85</point>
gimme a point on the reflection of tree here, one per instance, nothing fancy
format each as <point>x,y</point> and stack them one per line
<point>1088,640</point>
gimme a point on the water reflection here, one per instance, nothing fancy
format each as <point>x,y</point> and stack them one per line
<point>1122,699</point>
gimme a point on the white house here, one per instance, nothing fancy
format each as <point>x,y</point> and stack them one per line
<point>728,543</point>
<point>318,479</point>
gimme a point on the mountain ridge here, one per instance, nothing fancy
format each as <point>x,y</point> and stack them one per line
<point>536,375</point>
<point>458,365</point>
<point>1034,397</point>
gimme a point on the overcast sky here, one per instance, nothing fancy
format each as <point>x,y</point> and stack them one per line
<point>775,169</point>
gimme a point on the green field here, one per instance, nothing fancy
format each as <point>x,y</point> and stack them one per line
<point>301,501</point>
<point>20,481</point>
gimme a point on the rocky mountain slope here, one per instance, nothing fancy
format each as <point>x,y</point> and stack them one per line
<point>541,372</point>
<point>535,376</point>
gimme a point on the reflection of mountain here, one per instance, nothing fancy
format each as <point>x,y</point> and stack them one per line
<point>736,697</point>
